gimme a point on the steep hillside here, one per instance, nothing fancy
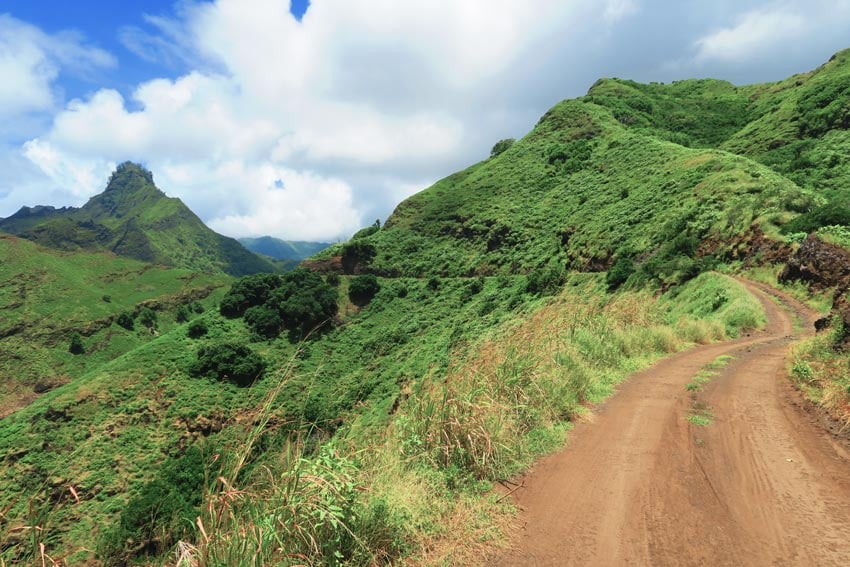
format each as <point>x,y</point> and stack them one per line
<point>507,297</point>
<point>135,219</point>
<point>47,297</point>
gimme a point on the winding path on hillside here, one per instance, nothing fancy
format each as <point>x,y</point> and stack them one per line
<point>639,484</point>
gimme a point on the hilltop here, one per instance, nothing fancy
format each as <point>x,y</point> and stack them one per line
<point>133,218</point>
<point>467,334</point>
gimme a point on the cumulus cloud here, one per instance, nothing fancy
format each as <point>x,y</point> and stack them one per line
<point>308,129</point>
<point>30,61</point>
<point>753,33</point>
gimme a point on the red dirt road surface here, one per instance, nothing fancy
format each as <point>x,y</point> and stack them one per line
<point>761,484</point>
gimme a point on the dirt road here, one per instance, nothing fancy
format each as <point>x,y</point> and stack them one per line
<point>761,484</point>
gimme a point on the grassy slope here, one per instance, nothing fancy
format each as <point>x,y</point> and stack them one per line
<point>48,295</point>
<point>587,186</point>
<point>632,195</point>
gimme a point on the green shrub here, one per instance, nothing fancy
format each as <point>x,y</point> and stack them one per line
<point>147,317</point>
<point>248,291</point>
<point>356,254</point>
<point>76,344</point>
<point>263,321</point>
<point>332,279</point>
<point>229,361</point>
<point>362,289</point>
<point>197,329</point>
<point>160,513</point>
<point>545,281</point>
<point>305,302</point>
<point>619,273</point>
<point>182,314</point>
<point>126,320</point>
<point>501,146</point>
<point>368,231</point>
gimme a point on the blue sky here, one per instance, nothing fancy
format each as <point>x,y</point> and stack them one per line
<point>272,117</point>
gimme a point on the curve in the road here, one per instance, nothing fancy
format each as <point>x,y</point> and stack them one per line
<point>643,485</point>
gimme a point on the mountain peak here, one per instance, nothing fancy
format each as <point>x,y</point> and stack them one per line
<point>130,177</point>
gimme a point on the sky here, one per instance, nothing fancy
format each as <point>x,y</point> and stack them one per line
<point>308,120</point>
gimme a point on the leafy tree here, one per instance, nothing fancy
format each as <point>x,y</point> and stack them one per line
<point>368,231</point>
<point>304,301</point>
<point>196,307</point>
<point>182,314</point>
<point>161,512</point>
<point>544,281</point>
<point>126,320</point>
<point>356,253</point>
<point>264,321</point>
<point>76,344</point>
<point>230,361</point>
<point>197,329</point>
<point>147,317</point>
<point>363,288</point>
<point>619,273</point>
<point>248,291</point>
<point>501,146</point>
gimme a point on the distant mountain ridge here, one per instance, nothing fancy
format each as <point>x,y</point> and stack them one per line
<point>133,218</point>
<point>293,250</point>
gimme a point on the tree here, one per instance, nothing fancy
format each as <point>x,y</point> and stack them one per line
<point>76,345</point>
<point>182,314</point>
<point>147,317</point>
<point>362,289</point>
<point>356,253</point>
<point>229,361</point>
<point>264,321</point>
<point>197,329</point>
<point>248,291</point>
<point>501,146</point>
<point>125,320</point>
<point>304,301</point>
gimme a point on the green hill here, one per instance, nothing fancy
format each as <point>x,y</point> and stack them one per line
<point>292,250</point>
<point>135,219</point>
<point>48,296</point>
<point>507,296</point>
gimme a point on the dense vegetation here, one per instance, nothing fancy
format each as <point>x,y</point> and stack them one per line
<point>445,349</point>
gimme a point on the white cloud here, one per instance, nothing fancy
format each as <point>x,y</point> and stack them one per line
<point>365,101</point>
<point>754,33</point>
<point>616,10</point>
<point>30,61</point>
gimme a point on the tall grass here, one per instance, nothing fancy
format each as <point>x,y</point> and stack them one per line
<point>822,373</point>
<point>295,507</point>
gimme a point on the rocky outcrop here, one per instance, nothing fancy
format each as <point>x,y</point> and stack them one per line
<point>823,266</point>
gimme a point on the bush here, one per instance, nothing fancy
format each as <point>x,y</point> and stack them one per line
<point>248,292</point>
<point>836,212</point>
<point>76,344</point>
<point>619,273</point>
<point>332,279</point>
<point>162,512</point>
<point>197,329</point>
<point>368,231</point>
<point>147,317</point>
<point>544,281</point>
<point>501,146</point>
<point>263,321</point>
<point>182,314</point>
<point>362,289</point>
<point>356,254</point>
<point>230,361</point>
<point>126,320</point>
<point>304,302</point>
